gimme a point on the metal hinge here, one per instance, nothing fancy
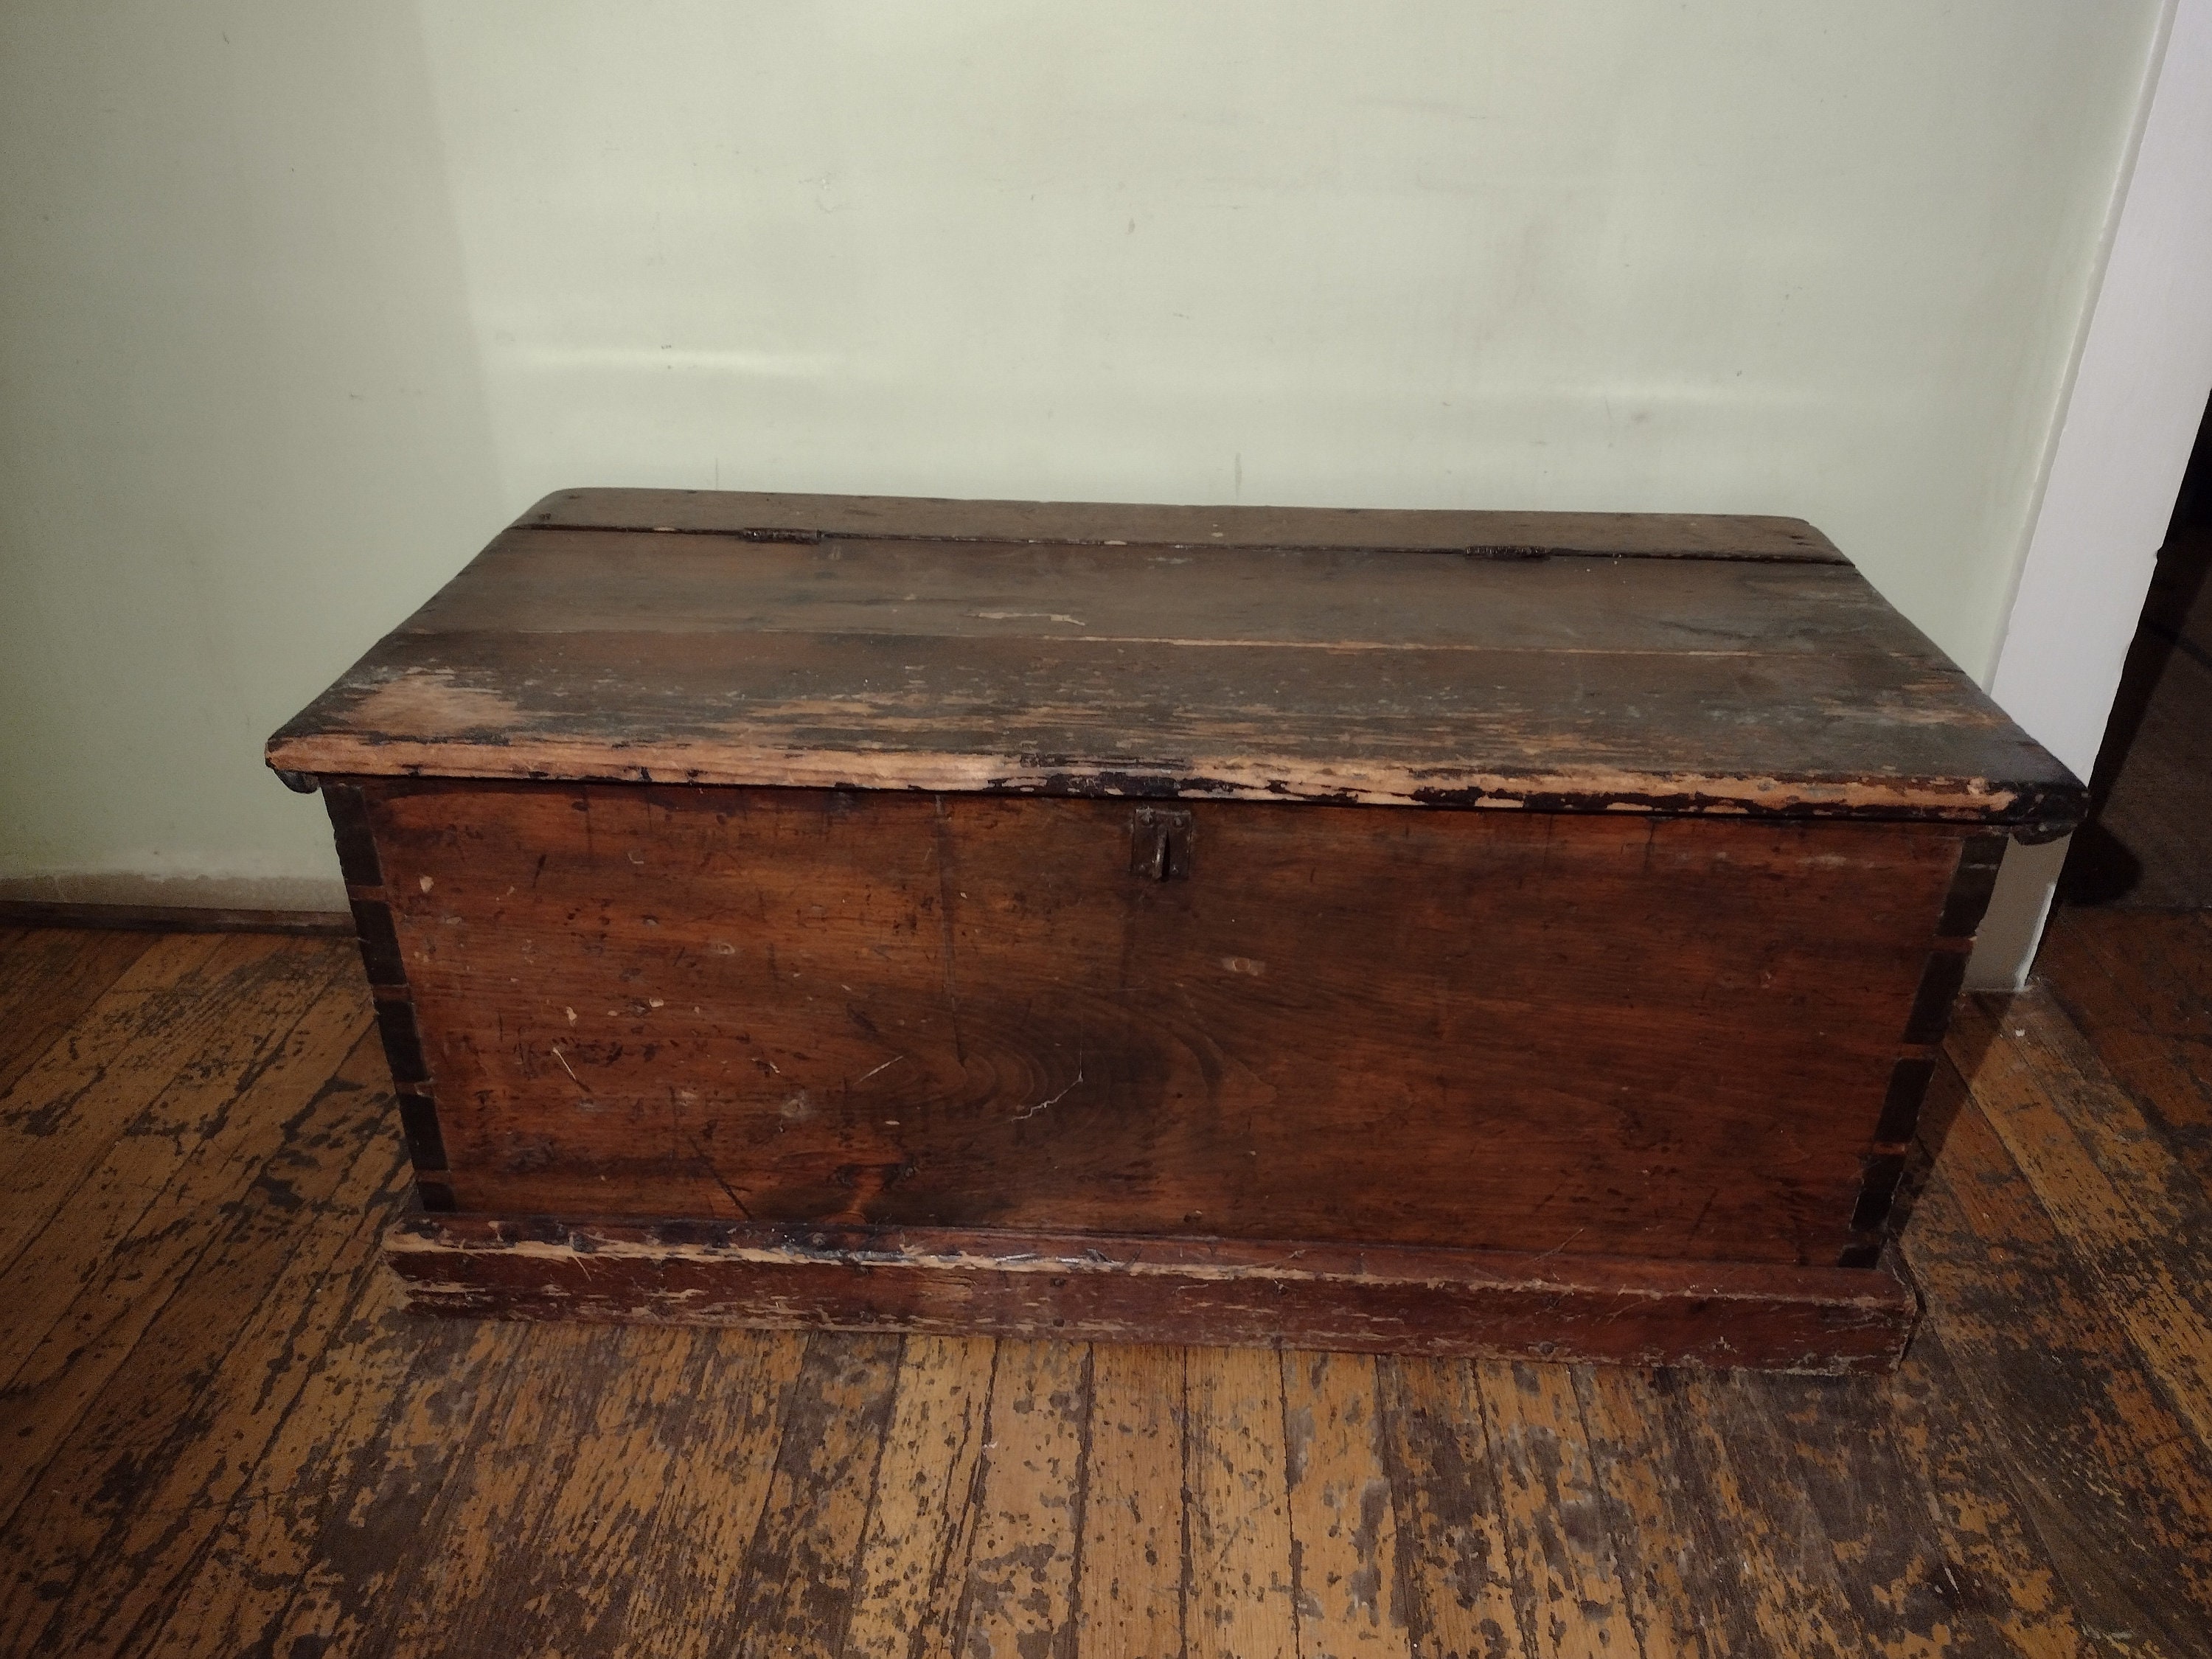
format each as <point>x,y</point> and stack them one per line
<point>1159,843</point>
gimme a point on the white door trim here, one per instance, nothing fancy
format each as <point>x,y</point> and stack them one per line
<point>2142,376</point>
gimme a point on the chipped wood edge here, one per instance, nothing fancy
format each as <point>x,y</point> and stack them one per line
<point>1221,1293</point>
<point>2043,811</point>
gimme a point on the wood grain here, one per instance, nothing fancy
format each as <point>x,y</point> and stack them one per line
<point>143,1557</point>
<point>58,1119</point>
<point>775,517</point>
<point>1776,1587</point>
<point>50,977</point>
<point>1845,1455</point>
<point>2039,1356</point>
<point>273,1544</point>
<point>125,1220</point>
<point>138,1214</point>
<point>760,860</point>
<point>1077,1286</point>
<point>1242,1591</point>
<point>508,1494</point>
<point>716,1431</point>
<point>2138,986</point>
<point>1024,1566</point>
<point>1454,1585</point>
<point>1992,1559</point>
<point>1681,1596</point>
<point>1571,1598</point>
<point>922,1523</point>
<point>388,1489</point>
<point>1343,1528</point>
<point>1323,663</point>
<point>1135,1572</point>
<point>109,1432</point>
<point>1501,1031</point>
<point>1759,735</point>
<point>553,582</point>
<point>2129,1209</point>
<point>803,1565</point>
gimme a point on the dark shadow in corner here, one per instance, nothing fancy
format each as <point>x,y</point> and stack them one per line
<point>2099,868</point>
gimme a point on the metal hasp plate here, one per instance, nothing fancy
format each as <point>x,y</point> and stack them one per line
<point>1159,843</point>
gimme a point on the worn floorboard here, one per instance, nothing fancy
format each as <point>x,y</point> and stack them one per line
<point>226,1438</point>
<point>2133,983</point>
<point>49,976</point>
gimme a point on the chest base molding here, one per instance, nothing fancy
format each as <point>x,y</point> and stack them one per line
<point>1234,1293</point>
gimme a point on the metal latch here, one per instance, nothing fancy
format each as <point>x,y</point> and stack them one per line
<point>1159,843</point>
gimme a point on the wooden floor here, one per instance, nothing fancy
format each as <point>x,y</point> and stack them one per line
<point>221,1438</point>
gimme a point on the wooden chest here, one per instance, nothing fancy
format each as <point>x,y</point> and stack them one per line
<point>1439,932</point>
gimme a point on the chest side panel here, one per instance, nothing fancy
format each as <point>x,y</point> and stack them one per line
<point>1598,1034</point>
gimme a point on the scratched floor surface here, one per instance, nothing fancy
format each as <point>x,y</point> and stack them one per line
<point>221,1438</point>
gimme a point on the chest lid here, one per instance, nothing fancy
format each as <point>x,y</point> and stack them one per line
<point>1569,662</point>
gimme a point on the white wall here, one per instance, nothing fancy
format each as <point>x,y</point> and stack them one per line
<point>2130,421</point>
<point>2130,418</point>
<point>297,305</point>
<point>242,429</point>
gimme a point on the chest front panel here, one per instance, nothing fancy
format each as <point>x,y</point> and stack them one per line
<point>1602,1034</point>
